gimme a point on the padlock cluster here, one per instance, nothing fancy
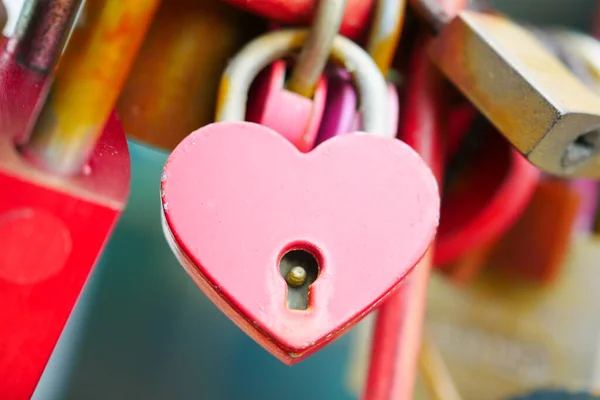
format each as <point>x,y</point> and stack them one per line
<point>410,182</point>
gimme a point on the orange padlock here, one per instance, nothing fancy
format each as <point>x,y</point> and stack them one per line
<point>173,85</point>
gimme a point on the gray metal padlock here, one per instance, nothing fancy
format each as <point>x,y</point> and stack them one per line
<point>541,108</point>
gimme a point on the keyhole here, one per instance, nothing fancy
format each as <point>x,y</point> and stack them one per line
<point>581,149</point>
<point>299,269</point>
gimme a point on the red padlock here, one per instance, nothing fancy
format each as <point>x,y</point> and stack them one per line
<point>52,230</point>
<point>64,185</point>
<point>356,16</point>
<point>505,182</point>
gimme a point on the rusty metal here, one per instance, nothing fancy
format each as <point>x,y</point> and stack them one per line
<point>41,32</point>
<point>548,114</point>
<point>315,51</point>
<point>384,34</point>
<point>262,51</point>
<point>91,75</point>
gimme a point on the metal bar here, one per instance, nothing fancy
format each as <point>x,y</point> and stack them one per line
<point>315,52</point>
<point>41,32</point>
<point>242,69</point>
<point>90,78</point>
<point>385,31</point>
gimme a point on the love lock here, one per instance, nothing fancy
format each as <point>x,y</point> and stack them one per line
<point>285,242</point>
<point>64,187</point>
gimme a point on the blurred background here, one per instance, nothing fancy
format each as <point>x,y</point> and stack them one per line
<point>143,330</point>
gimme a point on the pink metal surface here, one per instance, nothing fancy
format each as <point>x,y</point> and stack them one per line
<point>296,117</point>
<point>237,196</point>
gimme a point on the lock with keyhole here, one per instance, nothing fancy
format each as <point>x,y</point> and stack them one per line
<point>540,107</point>
<point>284,242</point>
<point>300,269</point>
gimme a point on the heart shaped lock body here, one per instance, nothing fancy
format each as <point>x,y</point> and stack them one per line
<point>237,196</point>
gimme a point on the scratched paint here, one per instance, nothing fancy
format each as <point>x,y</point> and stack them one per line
<point>90,77</point>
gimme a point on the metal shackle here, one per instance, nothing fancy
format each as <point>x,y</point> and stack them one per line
<point>312,59</point>
<point>262,51</point>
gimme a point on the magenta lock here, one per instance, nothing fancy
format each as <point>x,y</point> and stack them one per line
<point>340,115</point>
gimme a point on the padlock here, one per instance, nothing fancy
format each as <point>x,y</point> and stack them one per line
<point>580,54</point>
<point>303,232</point>
<point>502,336</point>
<point>541,108</point>
<point>64,188</point>
<point>532,249</point>
<point>295,108</point>
<point>174,81</point>
<point>353,24</point>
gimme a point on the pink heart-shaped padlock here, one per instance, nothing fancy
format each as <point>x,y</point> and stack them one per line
<point>237,197</point>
